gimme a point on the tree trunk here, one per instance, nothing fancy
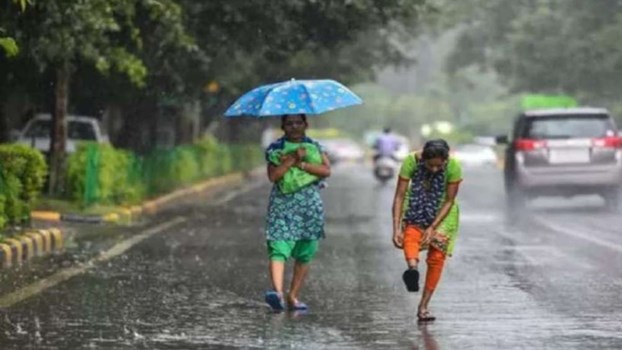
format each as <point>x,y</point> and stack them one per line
<point>59,130</point>
<point>4,125</point>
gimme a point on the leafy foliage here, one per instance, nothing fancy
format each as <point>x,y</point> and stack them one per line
<point>9,46</point>
<point>22,175</point>
<point>548,46</point>
<point>112,183</point>
<point>152,58</point>
<point>123,178</point>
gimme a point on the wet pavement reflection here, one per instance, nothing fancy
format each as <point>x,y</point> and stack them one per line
<point>526,284</point>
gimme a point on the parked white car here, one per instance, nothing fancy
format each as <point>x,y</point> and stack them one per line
<point>36,133</point>
<point>474,155</point>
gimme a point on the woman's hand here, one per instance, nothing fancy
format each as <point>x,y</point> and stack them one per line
<point>398,239</point>
<point>289,160</point>
<point>302,166</point>
<point>301,153</point>
<point>427,236</point>
<point>319,170</point>
<point>276,172</point>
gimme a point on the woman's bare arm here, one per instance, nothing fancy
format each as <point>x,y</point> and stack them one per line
<point>398,204</point>
<point>450,198</point>
<point>321,170</point>
<point>276,172</point>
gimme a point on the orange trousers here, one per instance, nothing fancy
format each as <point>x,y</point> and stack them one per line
<point>435,259</point>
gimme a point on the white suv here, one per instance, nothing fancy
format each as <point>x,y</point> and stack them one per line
<point>564,152</point>
<point>36,133</point>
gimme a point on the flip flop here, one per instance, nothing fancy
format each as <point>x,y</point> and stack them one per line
<point>298,306</point>
<point>411,279</point>
<point>425,316</point>
<point>299,313</point>
<point>275,300</point>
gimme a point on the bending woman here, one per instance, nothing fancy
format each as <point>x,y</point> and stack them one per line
<point>426,215</point>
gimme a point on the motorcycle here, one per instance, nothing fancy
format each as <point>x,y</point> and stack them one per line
<point>385,168</point>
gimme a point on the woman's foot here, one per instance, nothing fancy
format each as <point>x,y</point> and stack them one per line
<point>294,305</point>
<point>275,300</point>
<point>424,315</point>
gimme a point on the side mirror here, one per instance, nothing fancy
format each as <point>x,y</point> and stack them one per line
<point>14,135</point>
<point>502,140</point>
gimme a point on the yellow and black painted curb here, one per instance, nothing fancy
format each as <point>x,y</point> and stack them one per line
<point>127,215</point>
<point>29,244</point>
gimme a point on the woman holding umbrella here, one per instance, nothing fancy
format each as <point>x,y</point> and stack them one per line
<point>297,166</point>
<point>295,221</point>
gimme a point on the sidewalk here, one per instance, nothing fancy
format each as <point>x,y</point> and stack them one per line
<point>133,213</point>
<point>54,231</point>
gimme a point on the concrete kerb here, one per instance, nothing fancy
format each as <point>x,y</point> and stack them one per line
<point>130,214</point>
<point>153,206</point>
<point>29,244</point>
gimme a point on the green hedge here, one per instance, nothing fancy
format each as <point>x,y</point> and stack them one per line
<point>165,170</point>
<point>22,177</point>
<point>100,174</point>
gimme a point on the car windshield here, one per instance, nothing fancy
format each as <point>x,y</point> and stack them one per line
<point>75,131</point>
<point>39,128</point>
<point>565,127</point>
<point>81,131</point>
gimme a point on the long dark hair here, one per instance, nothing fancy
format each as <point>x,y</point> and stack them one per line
<point>438,148</point>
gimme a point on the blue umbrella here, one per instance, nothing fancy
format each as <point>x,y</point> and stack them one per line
<point>294,97</point>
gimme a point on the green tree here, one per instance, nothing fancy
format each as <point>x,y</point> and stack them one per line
<point>184,45</point>
<point>255,42</point>
<point>59,34</point>
<point>549,46</point>
<point>7,43</point>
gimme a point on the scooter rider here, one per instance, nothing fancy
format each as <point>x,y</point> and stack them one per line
<point>386,145</point>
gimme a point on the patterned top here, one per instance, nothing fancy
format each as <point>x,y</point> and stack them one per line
<point>298,215</point>
<point>426,195</point>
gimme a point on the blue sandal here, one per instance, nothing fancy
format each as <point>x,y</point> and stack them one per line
<point>298,306</point>
<point>275,300</point>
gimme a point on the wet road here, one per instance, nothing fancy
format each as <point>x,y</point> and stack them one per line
<point>550,281</point>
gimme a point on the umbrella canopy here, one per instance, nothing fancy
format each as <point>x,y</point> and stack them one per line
<point>310,97</point>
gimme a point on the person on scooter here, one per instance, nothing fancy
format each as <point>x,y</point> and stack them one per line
<point>386,145</point>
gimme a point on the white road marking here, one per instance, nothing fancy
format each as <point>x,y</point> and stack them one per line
<point>234,193</point>
<point>570,231</point>
<point>121,247</point>
<point>65,274</point>
<point>480,218</point>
